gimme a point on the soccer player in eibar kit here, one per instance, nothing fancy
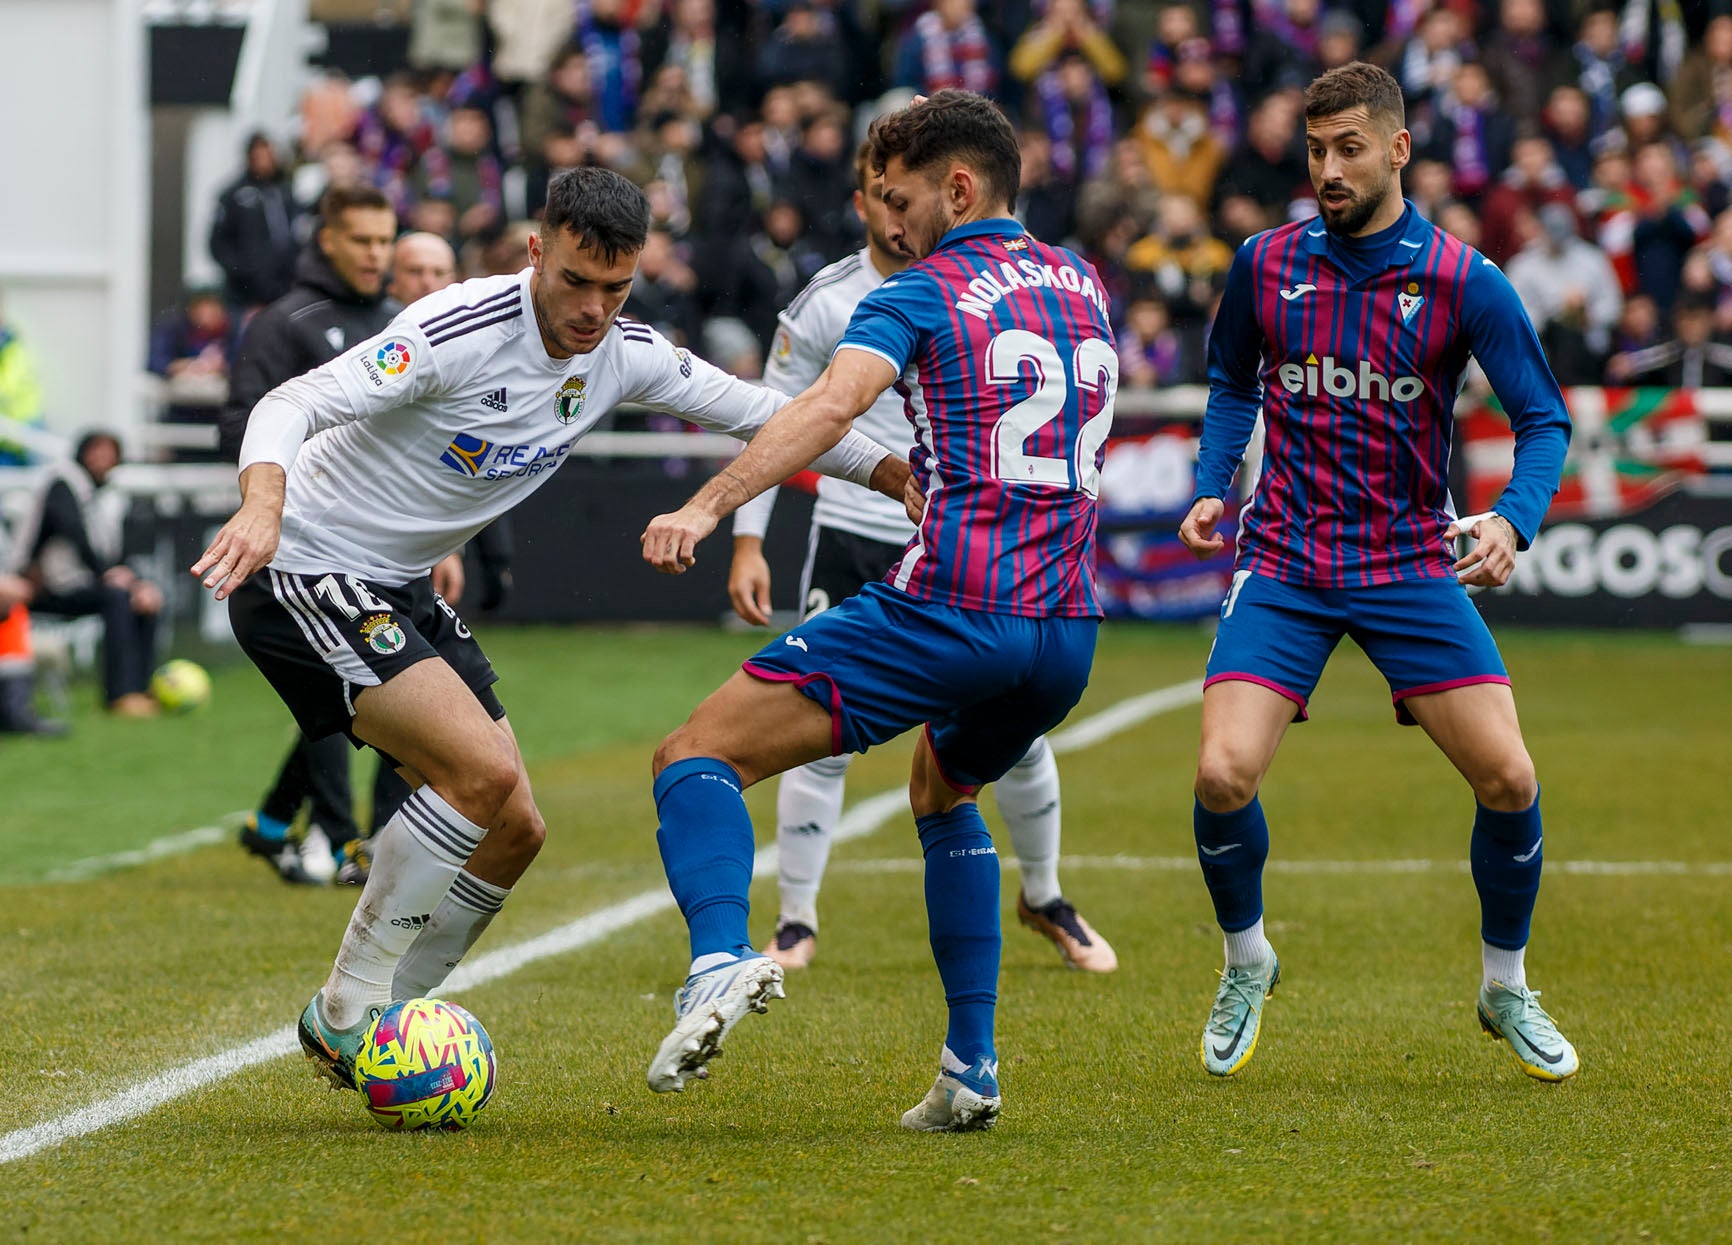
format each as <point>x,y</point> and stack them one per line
<point>359,476</point>
<point>1353,330</point>
<point>857,536</point>
<point>984,630</point>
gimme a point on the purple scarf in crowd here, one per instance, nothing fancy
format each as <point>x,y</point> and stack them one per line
<point>955,59</point>
<point>1097,138</point>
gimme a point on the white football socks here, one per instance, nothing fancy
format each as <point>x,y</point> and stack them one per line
<point>467,909</point>
<point>415,857</point>
<point>1247,947</point>
<point>808,806</point>
<point>1028,800</point>
<point>1504,966</point>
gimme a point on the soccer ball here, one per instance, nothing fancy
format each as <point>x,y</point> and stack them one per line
<point>425,1063</point>
<point>180,686</point>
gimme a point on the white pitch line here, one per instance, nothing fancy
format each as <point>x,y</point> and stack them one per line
<point>157,849</point>
<point>1188,864</point>
<point>860,820</point>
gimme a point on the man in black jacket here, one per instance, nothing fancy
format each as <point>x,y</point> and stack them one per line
<point>338,299</point>
<point>253,236</point>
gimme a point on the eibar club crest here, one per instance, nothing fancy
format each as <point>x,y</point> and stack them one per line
<point>568,402</point>
<point>1409,301</point>
<point>383,635</point>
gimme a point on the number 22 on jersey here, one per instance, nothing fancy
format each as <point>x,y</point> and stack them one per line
<point>1095,371</point>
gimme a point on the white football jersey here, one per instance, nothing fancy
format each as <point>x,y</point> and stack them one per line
<point>806,337</point>
<point>421,436</point>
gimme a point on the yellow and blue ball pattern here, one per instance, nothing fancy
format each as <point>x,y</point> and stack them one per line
<point>425,1063</point>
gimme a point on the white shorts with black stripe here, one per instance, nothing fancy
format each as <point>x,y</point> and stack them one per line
<point>320,639</point>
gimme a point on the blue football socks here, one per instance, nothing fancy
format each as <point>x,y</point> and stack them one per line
<point>706,844</point>
<point>270,827</point>
<point>1232,848</point>
<point>962,920</point>
<point>1506,860</point>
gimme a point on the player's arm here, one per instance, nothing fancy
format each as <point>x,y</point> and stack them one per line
<point>801,432</point>
<point>1502,338</point>
<point>1235,392</point>
<point>380,374</point>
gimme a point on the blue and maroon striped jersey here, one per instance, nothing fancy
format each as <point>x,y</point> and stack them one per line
<point>1009,369</point>
<point>1355,348</point>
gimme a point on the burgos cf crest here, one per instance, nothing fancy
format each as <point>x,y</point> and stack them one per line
<point>383,635</point>
<point>568,402</point>
<point>466,453</point>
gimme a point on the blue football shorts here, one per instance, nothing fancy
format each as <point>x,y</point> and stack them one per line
<point>1423,635</point>
<point>986,685</point>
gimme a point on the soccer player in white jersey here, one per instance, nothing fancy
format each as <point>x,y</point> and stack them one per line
<point>359,476</point>
<point>857,537</point>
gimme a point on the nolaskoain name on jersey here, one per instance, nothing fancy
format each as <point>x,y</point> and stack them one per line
<point>988,287</point>
<point>1316,377</point>
<point>472,456</point>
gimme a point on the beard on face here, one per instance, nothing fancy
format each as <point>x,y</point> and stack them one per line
<point>1358,211</point>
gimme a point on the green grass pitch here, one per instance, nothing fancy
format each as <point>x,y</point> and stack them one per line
<point>1373,1111</point>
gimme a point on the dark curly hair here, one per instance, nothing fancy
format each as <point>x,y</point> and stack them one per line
<point>952,125</point>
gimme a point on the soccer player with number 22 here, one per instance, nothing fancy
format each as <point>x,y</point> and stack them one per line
<point>984,630</point>
<point>1352,331</point>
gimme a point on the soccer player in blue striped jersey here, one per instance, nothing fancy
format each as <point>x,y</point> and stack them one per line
<point>1352,331</point>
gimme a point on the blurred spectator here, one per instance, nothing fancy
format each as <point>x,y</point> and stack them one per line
<point>765,269</point>
<point>1610,205</point>
<point>1711,174</point>
<point>1152,353</point>
<point>1180,260</point>
<point>445,34</point>
<point>392,137</point>
<point>189,348</point>
<point>948,47</point>
<point>803,48</point>
<point>1566,122</point>
<point>1175,26</point>
<point>1459,220</point>
<point>613,46</point>
<point>738,186</point>
<point>1431,56</point>
<point>714,62</point>
<point>18,714</point>
<point>1669,222</point>
<point>1691,359</point>
<point>1702,91</point>
<point>1602,74</point>
<point>667,158</point>
<point>329,114</point>
<point>1197,72</point>
<point>1532,179</point>
<point>1429,183</point>
<point>1716,254</point>
<point>820,181</point>
<point>1571,294</point>
<point>421,264</point>
<point>526,36</point>
<point>466,174</point>
<point>69,549</point>
<point>559,119</point>
<point>1339,36</point>
<point>1638,327</point>
<point>20,397</point>
<point>1124,188</point>
<point>1046,205</point>
<point>733,347</point>
<point>1073,106</point>
<point>1273,171</point>
<point>1067,26</point>
<point>1644,112</point>
<point>1183,156</point>
<point>665,292</point>
<point>1522,59</point>
<point>1470,133</point>
<point>338,164</point>
<point>252,237</point>
<point>1283,53</point>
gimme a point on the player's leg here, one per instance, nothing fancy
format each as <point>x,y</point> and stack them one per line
<point>477,893</point>
<point>1477,729</point>
<point>331,818</point>
<point>808,809</point>
<point>1268,654</point>
<point>746,730</point>
<point>265,833</point>
<point>1445,673</point>
<point>1029,801</point>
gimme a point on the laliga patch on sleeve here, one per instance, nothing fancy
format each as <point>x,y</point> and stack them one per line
<point>389,363</point>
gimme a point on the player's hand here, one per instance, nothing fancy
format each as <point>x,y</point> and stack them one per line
<point>1198,530</point>
<point>449,578</point>
<point>749,581</point>
<point>1492,559</point>
<point>146,597</point>
<point>670,542</point>
<point>245,545</point>
<point>914,501</point>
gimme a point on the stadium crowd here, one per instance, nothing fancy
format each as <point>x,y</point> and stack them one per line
<point>1586,147</point>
